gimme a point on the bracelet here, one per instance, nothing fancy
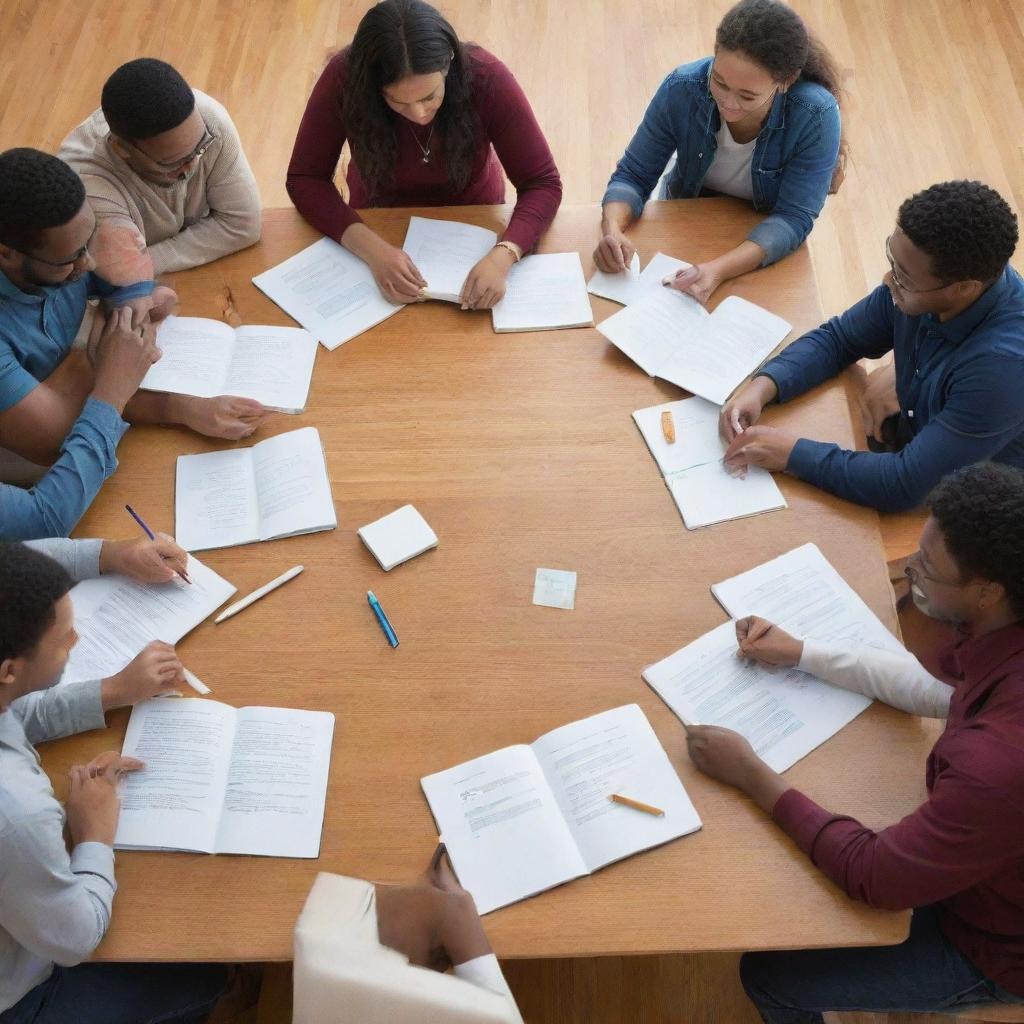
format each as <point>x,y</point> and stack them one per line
<point>509,247</point>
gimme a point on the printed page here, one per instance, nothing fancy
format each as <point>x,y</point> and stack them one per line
<point>656,325</point>
<point>293,486</point>
<point>196,355</point>
<point>175,801</point>
<point>784,713</point>
<point>276,783</point>
<point>710,494</point>
<point>505,834</point>
<point>329,291</point>
<point>545,292</point>
<point>614,752</point>
<point>696,428</point>
<point>115,617</point>
<point>622,287</point>
<point>444,252</point>
<point>802,593</point>
<point>273,365</point>
<point>735,340</point>
<point>215,500</point>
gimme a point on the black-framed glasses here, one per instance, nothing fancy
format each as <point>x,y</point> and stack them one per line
<point>205,143</point>
<point>896,275</point>
<point>84,251</point>
<point>915,575</point>
<point>720,91</point>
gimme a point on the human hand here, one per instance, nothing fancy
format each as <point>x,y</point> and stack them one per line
<point>766,447</point>
<point>614,252</point>
<point>396,275</point>
<point>154,671</point>
<point>145,560</point>
<point>879,401</point>
<point>744,408</point>
<point>763,642</point>
<point>699,281</point>
<point>224,416</point>
<point>485,283</point>
<point>120,354</point>
<point>93,804</point>
<point>153,308</point>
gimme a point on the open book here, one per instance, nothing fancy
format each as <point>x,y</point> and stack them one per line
<point>272,365</point>
<point>444,252</point>
<point>528,818</point>
<point>277,488</point>
<point>329,291</point>
<point>704,491</point>
<point>630,284</point>
<point>221,780</point>
<point>115,617</point>
<point>669,335</point>
<point>545,292</point>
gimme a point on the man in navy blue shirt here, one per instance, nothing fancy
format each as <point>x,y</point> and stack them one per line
<point>951,310</point>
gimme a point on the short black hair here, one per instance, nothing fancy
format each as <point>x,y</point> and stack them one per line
<point>966,228</point>
<point>37,191</point>
<point>980,513</point>
<point>145,97</point>
<point>31,584</point>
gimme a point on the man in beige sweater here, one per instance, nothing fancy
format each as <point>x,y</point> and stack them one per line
<point>165,175</point>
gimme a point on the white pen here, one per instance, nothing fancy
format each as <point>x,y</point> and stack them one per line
<point>261,592</point>
<point>195,682</point>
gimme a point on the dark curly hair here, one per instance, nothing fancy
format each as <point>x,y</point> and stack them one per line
<point>145,97</point>
<point>773,35</point>
<point>966,228</point>
<point>37,191</point>
<point>30,585</point>
<point>395,39</point>
<point>980,513</point>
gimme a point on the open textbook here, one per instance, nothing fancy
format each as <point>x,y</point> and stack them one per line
<point>329,291</point>
<point>669,335</point>
<point>784,713</point>
<point>704,491</point>
<point>221,780</point>
<point>272,365</point>
<point>115,617</point>
<point>528,818</point>
<point>630,284</point>
<point>277,488</point>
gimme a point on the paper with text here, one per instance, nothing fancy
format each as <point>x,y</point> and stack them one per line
<point>545,292</point>
<point>630,285</point>
<point>444,252</point>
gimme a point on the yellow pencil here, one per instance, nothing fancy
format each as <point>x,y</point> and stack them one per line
<point>636,805</point>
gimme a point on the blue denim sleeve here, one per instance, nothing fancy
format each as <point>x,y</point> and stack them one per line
<point>647,154</point>
<point>983,414</point>
<point>803,189</point>
<point>864,331</point>
<point>59,500</point>
<point>114,295</point>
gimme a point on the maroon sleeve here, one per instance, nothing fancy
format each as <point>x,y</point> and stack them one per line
<point>315,156</point>
<point>523,151</point>
<point>968,830</point>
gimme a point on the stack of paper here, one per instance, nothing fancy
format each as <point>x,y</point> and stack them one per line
<point>444,252</point>
<point>545,292</point>
<point>397,537</point>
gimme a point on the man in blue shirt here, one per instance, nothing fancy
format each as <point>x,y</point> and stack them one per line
<point>951,310</point>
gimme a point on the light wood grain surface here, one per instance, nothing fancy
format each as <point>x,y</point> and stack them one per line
<point>520,451</point>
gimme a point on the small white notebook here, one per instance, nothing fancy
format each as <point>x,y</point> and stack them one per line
<point>206,358</point>
<point>670,335</point>
<point>631,284</point>
<point>444,252</point>
<point>329,291</point>
<point>545,292</point>
<point>703,489</point>
<point>221,780</point>
<point>528,818</point>
<point>277,488</point>
<point>115,617</point>
<point>397,537</point>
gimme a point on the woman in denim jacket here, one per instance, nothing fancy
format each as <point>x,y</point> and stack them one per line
<point>759,120</point>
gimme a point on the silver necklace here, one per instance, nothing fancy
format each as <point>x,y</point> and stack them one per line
<point>425,150</point>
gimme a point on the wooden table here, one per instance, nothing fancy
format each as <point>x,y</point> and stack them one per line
<point>520,451</point>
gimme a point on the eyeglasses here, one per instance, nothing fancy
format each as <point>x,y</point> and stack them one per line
<point>720,92</point>
<point>898,281</point>
<point>84,251</point>
<point>915,575</point>
<point>205,143</point>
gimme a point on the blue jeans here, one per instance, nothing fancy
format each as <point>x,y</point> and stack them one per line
<point>122,994</point>
<point>927,973</point>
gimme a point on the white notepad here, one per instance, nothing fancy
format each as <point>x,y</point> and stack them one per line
<point>670,335</point>
<point>221,780</point>
<point>206,358</point>
<point>444,252</point>
<point>115,617</point>
<point>545,292</point>
<point>528,818</point>
<point>329,291</point>
<point>277,488</point>
<point>397,537</point>
<point>703,489</point>
<point>630,284</point>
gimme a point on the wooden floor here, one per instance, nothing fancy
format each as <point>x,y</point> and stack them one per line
<point>935,91</point>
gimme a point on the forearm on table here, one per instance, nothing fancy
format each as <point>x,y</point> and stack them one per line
<point>747,256</point>
<point>156,407</point>
<point>616,217</point>
<point>362,241</point>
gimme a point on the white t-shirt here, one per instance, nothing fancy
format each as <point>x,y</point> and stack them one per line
<point>729,172</point>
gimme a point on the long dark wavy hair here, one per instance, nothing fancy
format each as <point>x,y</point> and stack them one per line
<point>773,35</point>
<point>395,39</point>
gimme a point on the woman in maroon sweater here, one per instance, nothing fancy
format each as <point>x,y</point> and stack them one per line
<point>431,122</point>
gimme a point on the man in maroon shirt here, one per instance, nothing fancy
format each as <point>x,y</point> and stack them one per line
<point>959,858</point>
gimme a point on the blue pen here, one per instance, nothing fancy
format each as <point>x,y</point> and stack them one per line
<point>149,533</point>
<point>389,631</point>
